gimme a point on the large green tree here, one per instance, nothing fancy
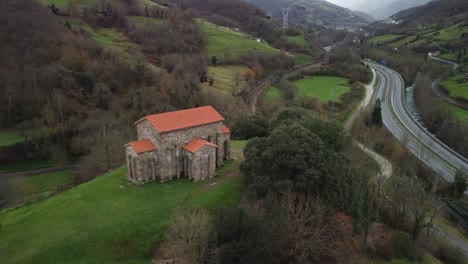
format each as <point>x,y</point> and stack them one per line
<point>293,158</point>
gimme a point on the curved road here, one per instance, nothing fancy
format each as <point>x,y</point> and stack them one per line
<point>435,85</point>
<point>402,125</point>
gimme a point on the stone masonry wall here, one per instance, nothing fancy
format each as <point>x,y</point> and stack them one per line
<point>167,162</point>
<point>202,164</point>
<point>172,144</point>
<point>142,168</point>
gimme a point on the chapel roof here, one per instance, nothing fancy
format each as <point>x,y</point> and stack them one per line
<point>142,146</point>
<point>176,120</point>
<point>197,143</point>
<point>226,130</point>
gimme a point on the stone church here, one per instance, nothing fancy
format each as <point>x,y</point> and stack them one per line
<point>188,143</point>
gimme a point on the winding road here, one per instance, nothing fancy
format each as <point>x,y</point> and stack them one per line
<point>406,129</point>
<point>435,86</point>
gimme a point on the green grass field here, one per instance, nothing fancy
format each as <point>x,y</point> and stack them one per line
<point>300,40</point>
<point>25,165</point>
<point>35,188</point>
<point>225,77</point>
<point>383,39</point>
<point>220,39</point>
<point>456,89</point>
<point>459,113</point>
<point>325,88</point>
<point>10,136</point>
<point>448,56</point>
<point>273,94</point>
<point>107,220</point>
<point>141,21</point>
<point>451,34</point>
<point>107,37</point>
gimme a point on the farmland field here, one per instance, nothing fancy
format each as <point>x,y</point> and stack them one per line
<point>325,88</point>
<point>226,43</point>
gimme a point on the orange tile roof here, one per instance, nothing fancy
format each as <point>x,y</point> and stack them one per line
<point>226,130</point>
<point>181,119</point>
<point>142,146</point>
<point>197,143</point>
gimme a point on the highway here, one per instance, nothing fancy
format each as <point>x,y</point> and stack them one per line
<point>397,119</point>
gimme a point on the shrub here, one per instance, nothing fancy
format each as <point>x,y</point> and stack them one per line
<point>449,254</point>
<point>249,127</point>
<point>399,245</point>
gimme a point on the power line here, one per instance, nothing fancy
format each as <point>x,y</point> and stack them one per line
<point>285,17</point>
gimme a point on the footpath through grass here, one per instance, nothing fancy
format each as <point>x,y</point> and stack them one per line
<point>38,187</point>
<point>107,220</point>
<point>10,136</point>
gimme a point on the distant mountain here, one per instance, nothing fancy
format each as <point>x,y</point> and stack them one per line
<point>364,16</point>
<point>389,9</point>
<point>319,12</point>
<point>439,25</point>
<point>445,11</point>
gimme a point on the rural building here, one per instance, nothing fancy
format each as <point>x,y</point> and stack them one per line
<point>188,143</point>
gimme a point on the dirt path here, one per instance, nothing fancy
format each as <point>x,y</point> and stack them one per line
<point>28,173</point>
<point>367,100</point>
<point>9,196</point>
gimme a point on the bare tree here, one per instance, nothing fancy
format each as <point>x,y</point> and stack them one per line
<point>411,206</point>
<point>311,234</point>
<point>192,236</point>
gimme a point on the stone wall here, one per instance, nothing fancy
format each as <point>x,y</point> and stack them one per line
<point>172,144</point>
<point>142,168</point>
<point>171,161</point>
<point>147,131</point>
<point>202,164</point>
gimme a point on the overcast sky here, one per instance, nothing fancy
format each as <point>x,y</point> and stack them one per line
<point>362,5</point>
<point>348,3</point>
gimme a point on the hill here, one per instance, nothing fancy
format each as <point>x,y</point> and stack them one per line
<point>384,9</point>
<point>317,12</point>
<point>107,220</point>
<point>78,64</point>
<point>437,11</point>
<point>438,25</point>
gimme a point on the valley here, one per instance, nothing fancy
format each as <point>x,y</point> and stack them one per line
<point>323,163</point>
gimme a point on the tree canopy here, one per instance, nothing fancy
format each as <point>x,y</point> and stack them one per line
<point>300,156</point>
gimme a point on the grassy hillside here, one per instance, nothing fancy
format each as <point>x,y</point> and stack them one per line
<point>439,25</point>
<point>383,39</point>
<point>63,4</point>
<point>456,89</point>
<point>220,39</point>
<point>9,136</point>
<point>300,40</point>
<point>459,113</point>
<point>107,220</point>
<point>225,77</point>
<point>141,21</point>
